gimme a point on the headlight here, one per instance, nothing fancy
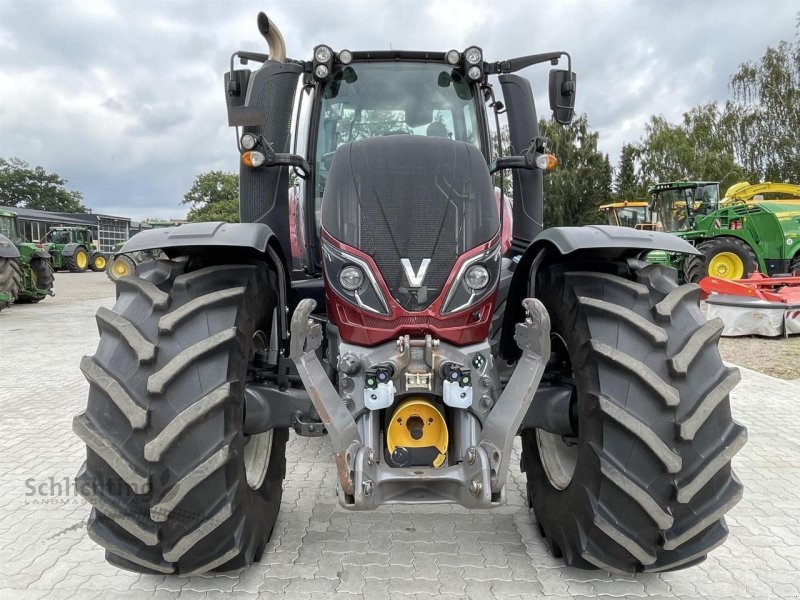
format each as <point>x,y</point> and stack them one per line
<point>345,57</point>
<point>322,54</point>
<point>475,280</point>
<point>351,278</point>
<point>473,55</point>
<point>321,71</point>
<point>474,73</point>
<point>477,277</point>
<point>248,141</point>
<point>453,57</point>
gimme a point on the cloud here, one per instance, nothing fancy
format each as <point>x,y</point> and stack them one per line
<point>125,99</point>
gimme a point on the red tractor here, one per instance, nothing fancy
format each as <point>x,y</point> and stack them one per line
<point>405,332</point>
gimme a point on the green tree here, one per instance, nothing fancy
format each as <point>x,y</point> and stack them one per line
<point>627,184</point>
<point>214,196</point>
<point>21,185</point>
<point>580,183</point>
<point>765,114</point>
<point>698,148</point>
<point>583,179</point>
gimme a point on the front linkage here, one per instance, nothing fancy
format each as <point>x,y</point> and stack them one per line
<point>476,482</point>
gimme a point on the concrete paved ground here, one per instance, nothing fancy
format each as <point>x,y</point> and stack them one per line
<point>319,550</point>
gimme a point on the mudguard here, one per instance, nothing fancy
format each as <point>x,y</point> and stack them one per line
<point>559,244</point>
<point>69,249</point>
<point>254,237</point>
<point>7,248</point>
<point>28,251</point>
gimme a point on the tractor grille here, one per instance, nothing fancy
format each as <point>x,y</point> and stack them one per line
<point>460,321</point>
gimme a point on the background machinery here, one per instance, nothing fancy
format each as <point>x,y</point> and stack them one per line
<point>25,271</point>
<point>10,273</point>
<point>629,213</point>
<point>122,265</point>
<point>72,249</point>
<point>403,332</point>
<point>753,228</point>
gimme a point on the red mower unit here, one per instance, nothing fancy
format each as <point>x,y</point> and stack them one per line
<point>384,307</point>
<point>757,305</point>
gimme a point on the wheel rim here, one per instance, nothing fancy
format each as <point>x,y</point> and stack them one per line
<point>120,269</point>
<point>81,260</point>
<point>35,278</point>
<point>726,265</point>
<point>100,263</point>
<point>258,447</point>
<point>559,459</point>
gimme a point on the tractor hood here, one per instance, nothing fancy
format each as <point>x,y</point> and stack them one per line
<point>409,201</point>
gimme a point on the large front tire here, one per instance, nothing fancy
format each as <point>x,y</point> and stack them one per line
<point>99,262</point>
<point>169,471</point>
<point>10,277</point>
<point>722,257</point>
<point>645,484</point>
<point>120,266</point>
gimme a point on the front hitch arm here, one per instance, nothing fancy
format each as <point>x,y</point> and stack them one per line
<point>501,426</point>
<point>305,340</point>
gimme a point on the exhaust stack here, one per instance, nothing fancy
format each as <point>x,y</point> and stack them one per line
<point>275,43</point>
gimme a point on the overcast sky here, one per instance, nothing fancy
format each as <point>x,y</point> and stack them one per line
<point>125,99</point>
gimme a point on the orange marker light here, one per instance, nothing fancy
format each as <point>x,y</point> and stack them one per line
<point>546,162</point>
<point>252,158</point>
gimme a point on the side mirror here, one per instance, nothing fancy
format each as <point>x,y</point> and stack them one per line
<point>239,115</point>
<point>562,95</point>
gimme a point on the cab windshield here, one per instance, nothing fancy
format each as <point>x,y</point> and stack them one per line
<point>60,237</point>
<point>675,208</point>
<point>632,216</point>
<point>366,100</point>
<point>8,228</point>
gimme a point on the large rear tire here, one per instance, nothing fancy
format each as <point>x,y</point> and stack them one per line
<point>42,279</point>
<point>795,267</point>
<point>176,486</point>
<point>10,277</point>
<point>79,261</point>
<point>645,484</point>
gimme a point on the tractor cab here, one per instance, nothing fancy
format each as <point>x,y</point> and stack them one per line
<point>629,214</point>
<point>69,235</point>
<point>9,226</point>
<point>340,99</point>
<point>677,205</point>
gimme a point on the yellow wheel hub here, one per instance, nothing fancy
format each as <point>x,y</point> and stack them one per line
<point>417,424</point>
<point>120,269</point>
<point>35,278</point>
<point>100,263</point>
<point>726,265</point>
<point>81,259</point>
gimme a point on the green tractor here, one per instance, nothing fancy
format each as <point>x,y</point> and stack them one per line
<point>123,265</point>
<point>72,249</point>
<point>25,271</point>
<point>736,235</point>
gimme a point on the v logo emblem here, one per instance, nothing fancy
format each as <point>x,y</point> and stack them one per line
<point>415,279</point>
